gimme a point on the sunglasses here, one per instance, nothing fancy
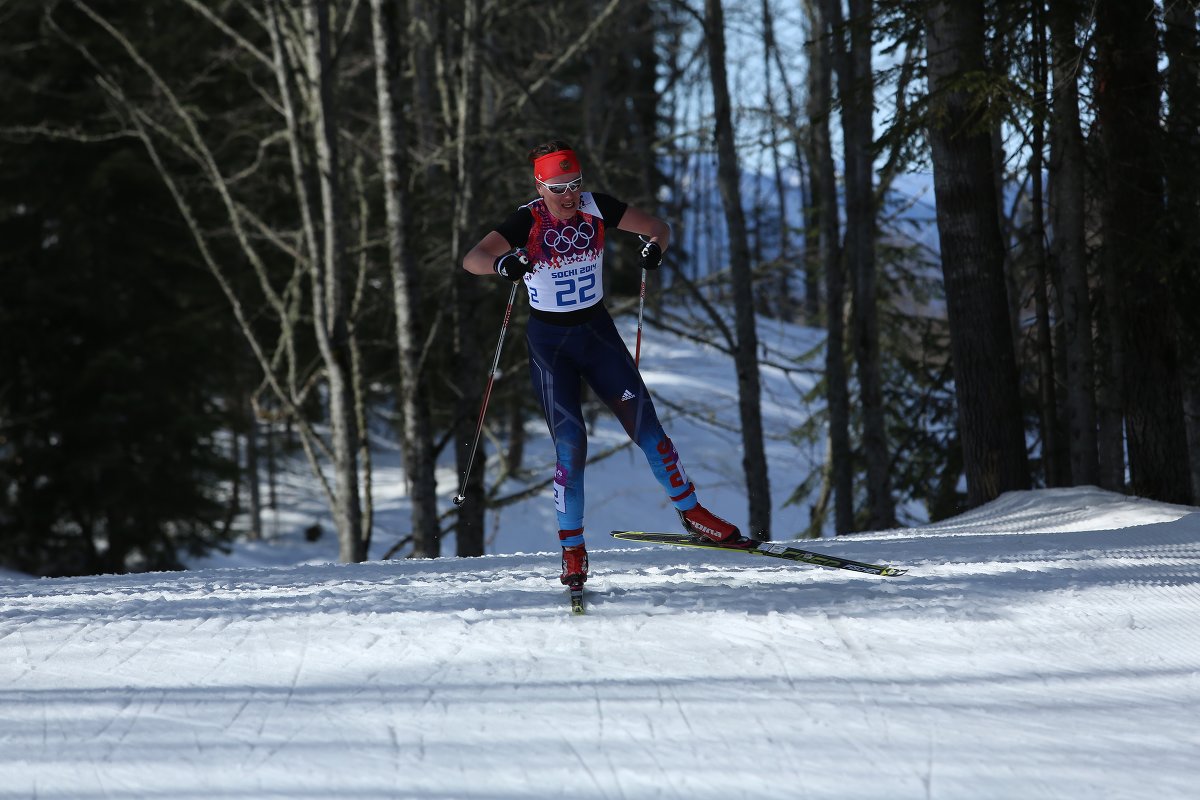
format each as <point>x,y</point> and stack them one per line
<point>559,188</point>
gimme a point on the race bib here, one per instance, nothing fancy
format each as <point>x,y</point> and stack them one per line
<point>568,258</point>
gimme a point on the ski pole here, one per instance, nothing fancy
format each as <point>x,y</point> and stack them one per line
<point>461,497</point>
<point>637,353</point>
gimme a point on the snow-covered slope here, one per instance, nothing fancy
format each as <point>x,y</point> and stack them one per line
<point>1045,646</point>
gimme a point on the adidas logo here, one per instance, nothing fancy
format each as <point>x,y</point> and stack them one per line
<point>627,396</point>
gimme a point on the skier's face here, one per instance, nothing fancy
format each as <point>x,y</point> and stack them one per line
<point>562,194</point>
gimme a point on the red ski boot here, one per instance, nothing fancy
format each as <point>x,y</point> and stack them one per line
<point>703,524</point>
<point>574,565</point>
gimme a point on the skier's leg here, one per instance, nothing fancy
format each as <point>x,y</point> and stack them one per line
<point>611,373</point>
<point>556,385</point>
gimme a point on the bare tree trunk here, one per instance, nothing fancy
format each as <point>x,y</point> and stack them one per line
<point>1191,416</point>
<point>252,472</point>
<point>802,143</point>
<point>1110,358</point>
<point>422,32</point>
<point>1053,463</point>
<point>272,469</point>
<point>825,192</point>
<point>330,317</point>
<point>999,60</point>
<point>861,230</point>
<point>1069,254</point>
<point>416,430</point>
<point>234,504</point>
<point>516,435</point>
<point>985,368</point>
<point>289,48</point>
<point>857,92</point>
<point>1128,107</point>
<point>1110,354</point>
<point>644,99</point>
<point>1181,42</point>
<point>469,533</point>
<point>357,363</point>
<point>782,291</point>
<point>811,308</point>
<point>746,355</point>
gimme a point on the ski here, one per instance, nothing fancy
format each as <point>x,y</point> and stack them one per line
<point>576,589</point>
<point>759,548</point>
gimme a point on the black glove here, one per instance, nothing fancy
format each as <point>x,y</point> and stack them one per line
<point>513,265</point>
<point>651,256</point>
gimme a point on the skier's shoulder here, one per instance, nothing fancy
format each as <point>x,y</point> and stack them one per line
<point>602,205</point>
<point>516,227</point>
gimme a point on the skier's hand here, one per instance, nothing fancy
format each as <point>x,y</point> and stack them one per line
<point>513,265</point>
<point>651,256</point>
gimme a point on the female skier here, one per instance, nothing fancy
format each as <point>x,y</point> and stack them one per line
<point>555,245</point>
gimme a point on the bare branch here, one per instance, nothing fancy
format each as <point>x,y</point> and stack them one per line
<point>203,10</point>
<point>204,156</point>
<point>25,133</point>
<point>569,53</point>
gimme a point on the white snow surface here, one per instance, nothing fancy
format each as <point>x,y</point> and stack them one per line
<point>1046,645</point>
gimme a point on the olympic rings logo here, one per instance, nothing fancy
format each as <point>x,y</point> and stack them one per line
<point>570,237</point>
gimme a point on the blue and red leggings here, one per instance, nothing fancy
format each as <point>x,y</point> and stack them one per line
<point>561,357</point>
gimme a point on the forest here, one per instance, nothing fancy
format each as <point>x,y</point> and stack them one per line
<point>231,232</point>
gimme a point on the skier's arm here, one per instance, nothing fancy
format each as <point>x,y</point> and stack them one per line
<point>652,228</point>
<point>482,257</point>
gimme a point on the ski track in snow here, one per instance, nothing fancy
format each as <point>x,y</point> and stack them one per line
<point>1045,646</point>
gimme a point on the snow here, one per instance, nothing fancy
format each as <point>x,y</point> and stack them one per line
<point>1046,645</point>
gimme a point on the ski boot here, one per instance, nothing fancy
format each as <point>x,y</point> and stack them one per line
<point>574,565</point>
<point>703,524</point>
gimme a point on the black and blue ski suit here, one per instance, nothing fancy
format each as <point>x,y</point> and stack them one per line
<point>571,339</point>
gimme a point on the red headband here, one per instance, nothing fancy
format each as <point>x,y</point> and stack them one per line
<point>551,165</point>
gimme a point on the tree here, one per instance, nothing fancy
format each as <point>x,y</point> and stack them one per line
<point>329,274</point>
<point>746,353</point>
<point>837,392</point>
<point>113,376</point>
<point>415,425</point>
<point>856,90</point>
<point>467,118</point>
<point>1068,247</point>
<point>972,253</point>
<point>1055,464</point>
<point>1181,43</point>
<point>1128,106</point>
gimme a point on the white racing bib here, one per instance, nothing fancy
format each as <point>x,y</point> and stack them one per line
<point>568,257</point>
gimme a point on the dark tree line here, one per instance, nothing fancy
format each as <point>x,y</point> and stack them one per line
<point>1056,134</point>
<point>233,226</point>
